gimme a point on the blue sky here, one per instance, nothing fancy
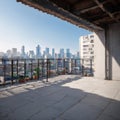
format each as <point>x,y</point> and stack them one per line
<point>23,25</point>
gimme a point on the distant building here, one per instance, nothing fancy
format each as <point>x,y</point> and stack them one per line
<point>78,55</point>
<point>23,50</point>
<point>38,51</point>
<point>2,55</point>
<point>14,53</point>
<point>53,53</point>
<point>56,56</point>
<point>61,55</point>
<point>47,52</point>
<point>43,55</point>
<point>87,49</point>
<point>8,53</point>
<point>31,54</point>
<point>23,55</point>
<point>68,54</point>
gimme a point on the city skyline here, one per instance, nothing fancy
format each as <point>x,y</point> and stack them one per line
<point>42,50</point>
<point>23,25</point>
<point>46,53</point>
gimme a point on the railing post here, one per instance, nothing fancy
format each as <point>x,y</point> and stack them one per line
<point>82,67</point>
<point>42,67</point>
<point>79,66</point>
<point>12,71</point>
<point>49,67</point>
<point>4,69</point>
<point>24,67</point>
<point>47,70</point>
<point>38,71</point>
<point>91,66</point>
<point>71,66</point>
<point>75,65</point>
<point>64,66</point>
<point>17,69</point>
<point>31,69</point>
<point>57,66</point>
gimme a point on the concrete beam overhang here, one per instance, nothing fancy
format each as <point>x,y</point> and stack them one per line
<point>53,9</point>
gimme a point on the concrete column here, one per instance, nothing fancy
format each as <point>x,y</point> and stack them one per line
<point>99,58</point>
<point>107,53</point>
<point>113,35</point>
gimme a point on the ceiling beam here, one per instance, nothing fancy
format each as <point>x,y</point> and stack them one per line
<point>116,12</point>
<point>102,20</point>
<point>92,8</point>
<point>100,17</point>
<point>77,2</point>
<point>105,10</point>
<point>88,9</point>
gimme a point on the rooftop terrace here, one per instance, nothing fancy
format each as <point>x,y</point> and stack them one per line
<point>65,97</point>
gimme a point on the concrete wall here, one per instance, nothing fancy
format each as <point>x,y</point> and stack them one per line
<point>114,44</point>
<point>99,58</point>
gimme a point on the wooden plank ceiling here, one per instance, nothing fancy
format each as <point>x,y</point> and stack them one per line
<point>88,14</point>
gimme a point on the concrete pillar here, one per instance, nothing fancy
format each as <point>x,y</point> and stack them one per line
<point>113,35</point>
<point>107,53</point>
<point>99,58</point>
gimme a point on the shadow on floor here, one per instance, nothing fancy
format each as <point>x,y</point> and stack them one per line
<point>53,101</point>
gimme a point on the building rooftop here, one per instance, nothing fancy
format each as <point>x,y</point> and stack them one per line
<point>65,97</point>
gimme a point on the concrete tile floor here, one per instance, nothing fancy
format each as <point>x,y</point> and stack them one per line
<point>65,97</point>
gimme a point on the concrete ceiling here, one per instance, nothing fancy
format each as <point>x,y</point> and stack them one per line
<point>88,14</point>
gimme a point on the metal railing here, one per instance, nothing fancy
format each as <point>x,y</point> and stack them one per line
<point>22,70</point>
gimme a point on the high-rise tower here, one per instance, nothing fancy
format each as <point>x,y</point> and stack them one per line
<point>38,51</point>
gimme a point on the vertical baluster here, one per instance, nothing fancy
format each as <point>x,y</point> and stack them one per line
<point>12,71</point>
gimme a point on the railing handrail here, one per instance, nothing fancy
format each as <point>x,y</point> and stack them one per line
<point>16,67</point>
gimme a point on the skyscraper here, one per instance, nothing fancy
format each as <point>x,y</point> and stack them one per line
<point>47,52</point>
<point>61,53</point>
<point>53,53</point>
<point>38,52</point>
<point>68,54</point>
<point>23,51</point>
